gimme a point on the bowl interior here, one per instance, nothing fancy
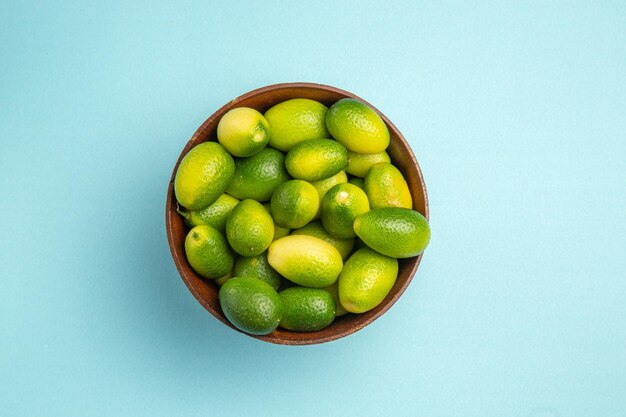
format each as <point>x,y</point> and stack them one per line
<point>206,292</point>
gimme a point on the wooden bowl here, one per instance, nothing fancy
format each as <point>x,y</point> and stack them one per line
<point>206,292</point>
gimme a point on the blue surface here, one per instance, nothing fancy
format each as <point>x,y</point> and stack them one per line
<point>515,112</point>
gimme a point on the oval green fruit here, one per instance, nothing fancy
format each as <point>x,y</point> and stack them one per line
<point>360,163</point>
<point>394,231</point>
<point>243,131</point>
<point>251,305</point>
<point>306,309</point>
<point>294,204</point>
<point>208,252</point>
<point>214,215</point>
<point>305,260</point>
<point>357,126</point>
<point>257,267</point>
<point>203,175</point>
<point>258,176</point>
<point>294,121</point>
<point>316,159</point>
<point>386,187</point>
<point>366,279</point>
<point>249,228</point>
<point>322,186</point>
<point>343,246</point>
<point>340,206</point>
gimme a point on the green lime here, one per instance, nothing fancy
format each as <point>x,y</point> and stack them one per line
<point>360,163</point>
<point>294,121</point>
<point>385,187</point>
<point>249,228</point>
<point>305,260</point>
<point>294,204</point>
<point>333,290</point>
<point>324,185</point>
<point>306,309</point>
<point>340,206</point>
<point>203,175</point>
<point>257,267</point>
<point>344,246</point>
<point>243,131</point>
<point>394,231</point>
<point>366,279</point>
<point>251,305</point>
<point>279,231</point>
<point>208,252</point>
<point>357,126</point>
<point>215,215</point>
<point>316,159</point>
<point>258,176</point>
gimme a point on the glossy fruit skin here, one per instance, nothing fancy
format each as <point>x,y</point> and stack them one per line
<point>366,279</point>
<point>294,121</point>
<point>359,164</point>
<point>316,159</point>
<point>357,126</point>
<point>305,260</point>
<point>243,131</point>
<point>340,206</point>
<point>214,215</point>
<point>315,228</point>
<point>251,305</point>
<point>294,204</point>
<point>208,252</point>
<point>249,228</point>
<point>257,267</point>
<point>203,175</point>
<point>385,186</point>
<point>258,176</point>
<point>306,309</point>
<point>322,186</point>
<point>394,231</point>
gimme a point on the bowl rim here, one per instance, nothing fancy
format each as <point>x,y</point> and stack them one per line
<point>169,212</point>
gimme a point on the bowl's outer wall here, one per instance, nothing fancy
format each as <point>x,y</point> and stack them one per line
<point>262,99</point>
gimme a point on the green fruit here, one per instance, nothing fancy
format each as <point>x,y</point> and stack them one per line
<point>294,121</point>
<point>203,175</point>
<point>385,187</point>
<point>343,246</point>
<point>359,182</point>
<point>215,215</point>
<point>243,131</point>
<point>257,267</point>
<point>306,309</point>
<point>340,206</point>
<point>316,159</point>
<point>324,185</point>
<point>249,228</point>
<point>294,204</point>
<point>258,176</point>
<point>366,280</point>
<point>222,280</point>
<point>357,126</point>
<point>333,290</point>
<point>305,260</point>
<point>251,305</point>
<point>279,231</point>
<point>394,231</point>
<point>360,163</point>
<point>208,252</point>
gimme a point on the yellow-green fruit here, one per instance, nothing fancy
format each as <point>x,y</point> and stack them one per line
<point>208,252</point>
<point>360,163</point>
<point>306,309</point>
<point>294,204</point>
<point>316,159</point>
<point>215,215</point>
<point>333,290</point>
<point>222,280</point>
<point>203,175</point>
<point>359,182</point>
<point>279,231</point>
<point>249,228</point>
<point>305,260</point>
<point>294,121</point>
<point>344,246</point>
<point>357,126</point>
<point>385,187</point>
<point>251,305</point>
<point>341,205</point>
<point>243,131</point>
<point>257,267</point>
<point>324,185</point>
<point>258,176</point>
<point>394,231</point>
<point>366,279</point>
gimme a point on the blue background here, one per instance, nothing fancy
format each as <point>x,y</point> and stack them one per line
<point>516,112</point>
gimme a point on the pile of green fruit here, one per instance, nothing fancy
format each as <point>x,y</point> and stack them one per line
<point>298,214</point>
